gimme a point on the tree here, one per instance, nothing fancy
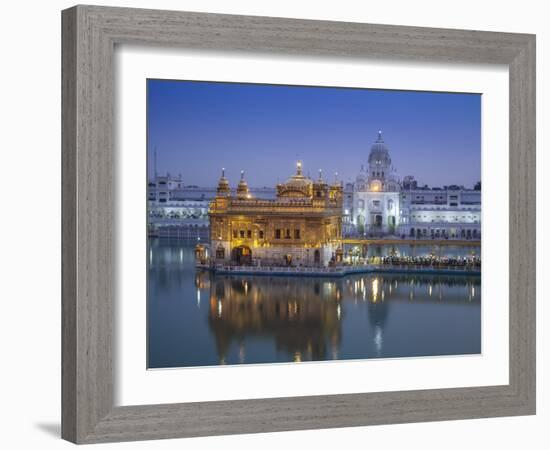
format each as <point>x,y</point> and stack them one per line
<point>477,186</point>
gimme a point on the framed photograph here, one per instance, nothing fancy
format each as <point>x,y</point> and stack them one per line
<point>278,224</point>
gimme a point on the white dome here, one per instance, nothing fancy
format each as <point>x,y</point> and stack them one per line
<point>379,153</point>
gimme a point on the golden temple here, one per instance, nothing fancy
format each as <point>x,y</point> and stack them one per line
<point>302,226</point>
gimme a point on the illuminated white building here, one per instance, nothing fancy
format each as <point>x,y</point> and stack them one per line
<point>375,208</point>
<point>382,205</point>
<point>446,213</point>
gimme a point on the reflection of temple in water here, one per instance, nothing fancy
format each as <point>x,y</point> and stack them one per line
<point>197,318</point>
<point>303,318</point>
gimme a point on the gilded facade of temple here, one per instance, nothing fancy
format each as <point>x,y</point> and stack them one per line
<point>302,226</point>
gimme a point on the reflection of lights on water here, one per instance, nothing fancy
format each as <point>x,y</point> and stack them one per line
<point>219,308</point>
<point>292,309</point>
<point>241,353</point>
<point>181,255</point>
<point>198,298</point>
<point>471,292</point>
<point>430,290</point>
<point>246,287</point>
<point>338,312</point>
<point>378,341</point>
<point>383,294</point>
<point>327,287</point>
<point>297,357</point>
<point>375,285</point>
<point>151,256</point>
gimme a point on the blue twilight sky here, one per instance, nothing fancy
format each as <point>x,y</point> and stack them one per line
<point>200,127</point>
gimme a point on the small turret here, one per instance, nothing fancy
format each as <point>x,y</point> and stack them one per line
<point>320,188</point>
<point>223,189</point>
<point>242,188</point>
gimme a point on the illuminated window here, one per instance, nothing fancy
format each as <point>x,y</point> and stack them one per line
<point>241,232</point>
<point>376,186</point>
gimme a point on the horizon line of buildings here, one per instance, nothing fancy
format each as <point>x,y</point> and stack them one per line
<point>375,204</point>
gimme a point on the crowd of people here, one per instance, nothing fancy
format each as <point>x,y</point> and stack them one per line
<point>432,261</point>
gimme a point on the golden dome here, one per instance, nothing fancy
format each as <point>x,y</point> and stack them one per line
<point>298,185</point>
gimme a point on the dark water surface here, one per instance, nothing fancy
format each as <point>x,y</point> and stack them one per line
<point>199,319</point>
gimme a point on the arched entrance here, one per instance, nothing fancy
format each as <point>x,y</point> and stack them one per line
<point>242,255</point>
<point>360,224</point>
<point>391,223</point>
<point>317,256</point>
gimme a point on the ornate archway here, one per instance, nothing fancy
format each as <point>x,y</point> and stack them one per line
<point>242,255</point>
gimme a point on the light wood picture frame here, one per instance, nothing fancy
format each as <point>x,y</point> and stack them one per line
<point>90,34</point>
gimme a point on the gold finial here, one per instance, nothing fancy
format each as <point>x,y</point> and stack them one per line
<point>299,168</point>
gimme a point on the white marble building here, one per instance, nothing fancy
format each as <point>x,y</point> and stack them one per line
<point>378,204</point>
<point>375,207</point>
<point>447,213</point>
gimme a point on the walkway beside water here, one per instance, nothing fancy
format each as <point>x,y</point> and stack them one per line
<point>341,271</point>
